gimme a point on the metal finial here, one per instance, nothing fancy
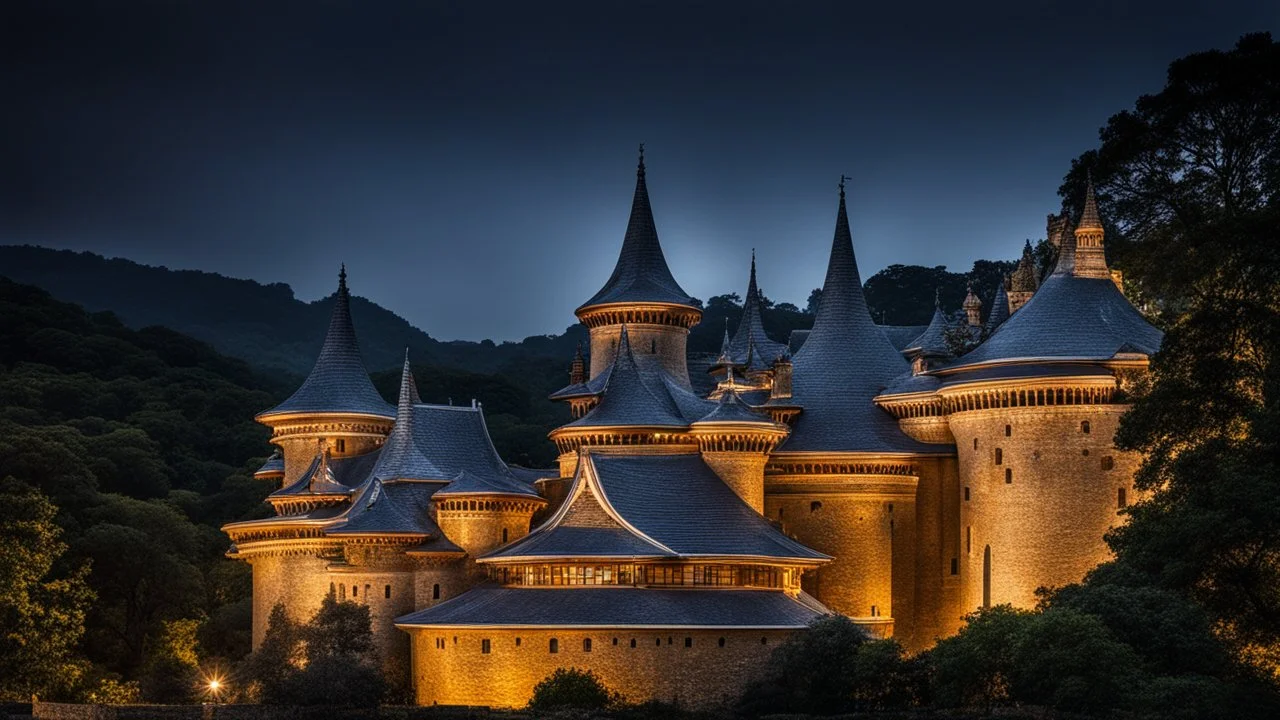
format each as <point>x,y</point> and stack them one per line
<point>843,178</point>
<point>641,156</point>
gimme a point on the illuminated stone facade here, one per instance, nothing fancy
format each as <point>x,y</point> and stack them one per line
<point>683,536</point>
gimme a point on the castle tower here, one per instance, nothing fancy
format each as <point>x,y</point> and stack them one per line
<point>482,513</point>
<point>1024,281</point>
<point>336,408</point>
<point>1034,411</point>
<point>845,481</point>
<point>642,294</point>
<point>735,442</point>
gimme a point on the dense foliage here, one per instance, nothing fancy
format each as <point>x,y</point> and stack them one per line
<point>572,688</point>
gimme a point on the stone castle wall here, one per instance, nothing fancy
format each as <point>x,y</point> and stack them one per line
<point>743,472</point>
<point>936,612</point>
<point>661,666</point>
<point>300,581</point>
<point>667,342</point>
<point>1042,492</point>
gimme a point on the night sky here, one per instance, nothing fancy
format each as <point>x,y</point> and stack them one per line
<point>473,162</point>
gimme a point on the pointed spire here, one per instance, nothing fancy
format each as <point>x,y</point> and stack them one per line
<point>1089,219</point>
<point>578,368</point>
<point>408,393</point>
<point>641,273</point>
<point>999,310</point>
<point>338,382</point>
<point>751,326</point>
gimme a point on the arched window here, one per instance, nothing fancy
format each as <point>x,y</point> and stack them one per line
<point>1084,426</point>
<point>333,590</point>
<point>615,641</point>
<point>986,577</point>
<point>435,591</point>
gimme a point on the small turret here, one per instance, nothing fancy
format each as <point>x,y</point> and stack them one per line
<point>1024,281</point>
<point>578,368</point>
<point>1090,251</point>
<point>973,308</point>
<point>479,513</point>
<point>735,442</point>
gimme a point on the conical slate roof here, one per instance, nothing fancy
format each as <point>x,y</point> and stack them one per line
<point>1089,218</point>
<point>751,329</point>
<point>641,274</point>
<point>731,409</point>
<point>338,382</point>
<point>933,341</point>
<point>402,457</point>
<point>628,400</point>
<point>468,483</point>
<point>999,310</point>
<point>843,364</point>
<point>398,509</point>
<point>272,467</point>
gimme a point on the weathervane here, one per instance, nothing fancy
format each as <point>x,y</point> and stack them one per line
<point>843,178</point>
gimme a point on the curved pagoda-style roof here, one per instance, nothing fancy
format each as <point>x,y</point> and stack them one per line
<point>467,483</point>
<point>329,476</point>
<point>655,506</point>
<point>731,409</point>
<point>641,275</point>
<point>843,364</point>
<point>933,341</point>
<point>338,382</point>
<point>273,467</point>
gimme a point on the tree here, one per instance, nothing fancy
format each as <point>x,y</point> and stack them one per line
<point>42,611</point>
<point>975,667</point>
<point>1190,178</point>
<point>276,659</point>
<point>571,688</point>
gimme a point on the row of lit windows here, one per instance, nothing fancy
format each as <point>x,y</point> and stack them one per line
<point>553,644</point>
<point>683,574</point>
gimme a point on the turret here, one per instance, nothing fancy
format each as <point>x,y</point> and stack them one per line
<point>578,368</point>
<point>736,441</point>
<point>479,513</point>
<point>1090,252</point>
<point>336,407</point>
<point>1024,281</point>
<point>972,308</point>
<point>642,294</point>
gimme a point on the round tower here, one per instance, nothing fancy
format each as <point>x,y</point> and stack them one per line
<point>479,514</point>
<point>642,294</point>
<point>336,408</point>
<point>735,442</point>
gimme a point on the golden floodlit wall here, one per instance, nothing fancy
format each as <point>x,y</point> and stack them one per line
<point>696,668</point>
<point>853,518</point>
<point>301,441</point>
<point>300,581</point>
<point>667,342</point>
<point>936,564</point>
<point>1043,486</point>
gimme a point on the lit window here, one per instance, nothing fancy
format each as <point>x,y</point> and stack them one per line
<point>484,646</point>
<point>555,645</point>
<point>586,645</point>
<point>1008,476</point>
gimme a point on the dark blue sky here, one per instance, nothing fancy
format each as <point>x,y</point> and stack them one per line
<point>473,165</point>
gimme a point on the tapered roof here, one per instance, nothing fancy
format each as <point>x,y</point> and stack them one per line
<point>750,343</point>
<point>338,382</point>
<point>843,364</point>
<point>273,467</point>
<point>629,400</point>
<point>999,310</point>
<point>933,341</point>
<point>402,457</point>
<point>390,509</point>
<point>641,275</point>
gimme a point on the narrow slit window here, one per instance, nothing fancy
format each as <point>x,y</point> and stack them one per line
<point>435,591</point>
<point>555,645</point>
<point>586,644</point>
<point>975,443</point>
<point>1008,431</point>
<point>968,539</point>
<point>504,535</point>
<point>1008,476</point>
<point>484,646</point>
<point>999,456</point>
<point>386,592</point>
<point>1084,426</point>
<point>955,566</point>
<point>966,493</point>
<point>1122,499</point>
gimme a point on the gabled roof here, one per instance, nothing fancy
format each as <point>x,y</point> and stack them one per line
<point>641,274</point>
<point>844,363</point>
<point>338,382</point>
<point>655,506</point>
<point>467,483</point>
<point>628,400</point>
<point>620,607</point>
<point>750,344</point>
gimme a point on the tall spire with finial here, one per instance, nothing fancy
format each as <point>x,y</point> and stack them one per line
<point>338,382</point>
<point>1090,251</point>
<point>751,327</point>
<point>845,362</point>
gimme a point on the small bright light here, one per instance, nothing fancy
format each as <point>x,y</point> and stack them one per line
<point>214,685</point>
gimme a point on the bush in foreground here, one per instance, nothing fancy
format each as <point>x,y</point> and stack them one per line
<point>573,688</point>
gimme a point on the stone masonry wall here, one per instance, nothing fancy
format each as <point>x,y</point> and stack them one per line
<point>665,341</point>
<point>1045,519</point>
<point>661,666</point>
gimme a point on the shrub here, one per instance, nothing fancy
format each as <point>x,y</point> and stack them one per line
<point>572,688</point>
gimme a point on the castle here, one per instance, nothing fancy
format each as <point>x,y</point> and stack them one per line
<point>695,522</point>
